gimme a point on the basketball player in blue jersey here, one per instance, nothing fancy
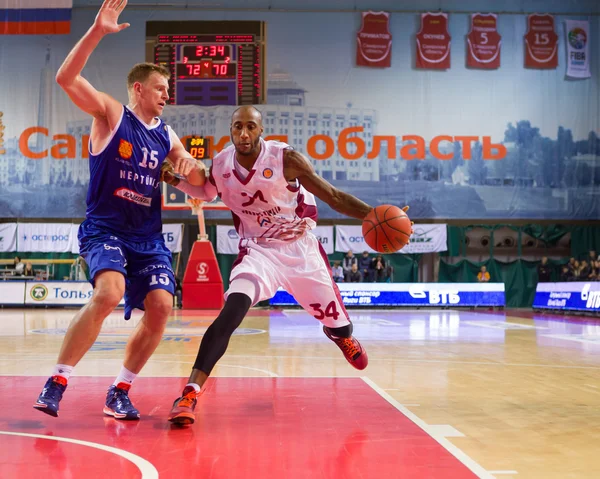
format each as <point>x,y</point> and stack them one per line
<point>121,237</point>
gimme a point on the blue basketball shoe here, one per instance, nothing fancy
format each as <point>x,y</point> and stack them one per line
<point>118,404</point>
<point>51,395</point>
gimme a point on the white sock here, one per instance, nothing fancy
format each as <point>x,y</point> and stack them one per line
<point>63,371</point>
<point>125,377</point>
<point>193,385</point>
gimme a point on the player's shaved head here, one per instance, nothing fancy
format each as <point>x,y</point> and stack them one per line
<point>247,113</point>
<point>246,129</point>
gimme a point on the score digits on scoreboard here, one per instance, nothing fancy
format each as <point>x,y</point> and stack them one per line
<point>206,61</point>
<point>197,53</point>
<point>205,69</point>
<point>211,63</point>
<point>198,147</point>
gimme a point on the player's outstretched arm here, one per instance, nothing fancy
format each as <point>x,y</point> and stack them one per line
<point>297,166</point>
<point>207,192</point>
<point>184,164</point>
<point>81,92</point>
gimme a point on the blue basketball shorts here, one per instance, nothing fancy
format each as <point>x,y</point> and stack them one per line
<point>146,265</point>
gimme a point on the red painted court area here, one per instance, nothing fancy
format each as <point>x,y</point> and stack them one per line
<point>246,428</point>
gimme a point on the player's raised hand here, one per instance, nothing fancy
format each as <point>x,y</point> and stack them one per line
<point>108,16</point>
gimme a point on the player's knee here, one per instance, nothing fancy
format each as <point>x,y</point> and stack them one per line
<point>107,298</point>
<point>159,307</point>
<point>226,325</point>
<point>232,314</point>
<point>155,324</point>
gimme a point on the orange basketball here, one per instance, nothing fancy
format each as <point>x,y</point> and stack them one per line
<point>386,229</point>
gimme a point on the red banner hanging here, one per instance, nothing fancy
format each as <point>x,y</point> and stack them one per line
<point>433,42</point>
<point>374,41</point>
<point>541,42</point>
<point>483,42</point>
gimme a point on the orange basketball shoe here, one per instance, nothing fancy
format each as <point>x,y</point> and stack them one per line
<point>354,353</point>
<point>182,412</point>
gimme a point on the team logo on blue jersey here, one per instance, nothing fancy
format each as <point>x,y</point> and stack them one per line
<point>125,149</point>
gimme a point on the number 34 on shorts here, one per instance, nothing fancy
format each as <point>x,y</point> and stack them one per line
<point>330,311</point>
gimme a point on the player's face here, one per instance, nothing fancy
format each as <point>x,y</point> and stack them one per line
<point>154,93</point>
<point>246,130</point>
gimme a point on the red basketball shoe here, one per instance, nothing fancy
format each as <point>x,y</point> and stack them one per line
<point>354,353</point>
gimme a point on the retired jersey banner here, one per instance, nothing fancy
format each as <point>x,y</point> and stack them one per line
<point>541,42</point>
<point>427,238</point>
<point>8,237</point>
<point>433,42</point>
<point>578,48</point>
<point>483,42</point>
<point>374,41</point>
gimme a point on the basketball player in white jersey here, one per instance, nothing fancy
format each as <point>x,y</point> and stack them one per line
<point>269,189</point>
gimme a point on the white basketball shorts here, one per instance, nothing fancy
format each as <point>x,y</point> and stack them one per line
<point>301,268</point>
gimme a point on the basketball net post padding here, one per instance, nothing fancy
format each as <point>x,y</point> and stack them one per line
<point>202,286</point>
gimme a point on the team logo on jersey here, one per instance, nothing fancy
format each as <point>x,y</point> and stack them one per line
<point>262,221</point>
<point>256,196</point>
<point>226,175</point>
<point>125,149</point>
<point>268,173</point>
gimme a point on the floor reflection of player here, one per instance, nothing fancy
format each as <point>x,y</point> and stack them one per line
<point>270,189</point>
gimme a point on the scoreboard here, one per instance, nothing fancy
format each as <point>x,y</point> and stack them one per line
<point>172,198</point>
<point>211,62</point>
<point>198,147</point>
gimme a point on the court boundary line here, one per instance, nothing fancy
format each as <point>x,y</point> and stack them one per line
<point>145,467</point>
<point>469,463</point>
<point>52,356</point>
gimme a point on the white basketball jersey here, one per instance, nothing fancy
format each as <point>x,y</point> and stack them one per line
<point>264,205</point>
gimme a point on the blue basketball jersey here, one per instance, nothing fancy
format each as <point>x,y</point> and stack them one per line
<point>124,191</point>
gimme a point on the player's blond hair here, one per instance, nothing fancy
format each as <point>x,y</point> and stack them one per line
<point>142,71</point>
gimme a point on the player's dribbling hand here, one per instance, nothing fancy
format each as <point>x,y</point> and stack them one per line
<point>106,20</point>
<point>412,223</point>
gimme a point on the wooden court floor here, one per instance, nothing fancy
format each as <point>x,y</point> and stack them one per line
<point>447,394</point>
